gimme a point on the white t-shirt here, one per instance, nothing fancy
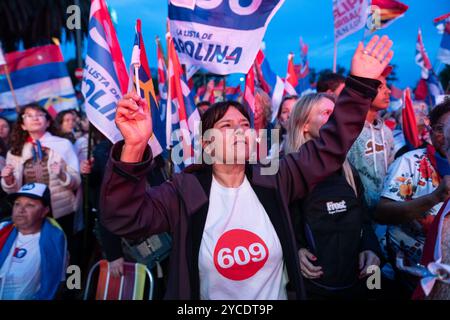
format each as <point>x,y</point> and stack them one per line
<point>240,254</point>
<point>20,274</point>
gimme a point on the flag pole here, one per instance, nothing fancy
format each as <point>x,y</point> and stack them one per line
<point>170,164</point>
<point>8,78</point>
<point>136,60</point>
<point>85,178</point>
<point>136,78</point>
<point>335,56</point>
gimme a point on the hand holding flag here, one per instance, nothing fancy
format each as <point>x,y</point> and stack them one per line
<point>370,61</point>
<point>140,72</point>
<point>134,121</point>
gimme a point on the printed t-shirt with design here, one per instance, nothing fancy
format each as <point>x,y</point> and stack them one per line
<point>240,253</point>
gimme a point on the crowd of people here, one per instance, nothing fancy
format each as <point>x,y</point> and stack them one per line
<point>350,196</point>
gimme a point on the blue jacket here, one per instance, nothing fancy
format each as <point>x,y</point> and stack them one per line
<point>53,248</point>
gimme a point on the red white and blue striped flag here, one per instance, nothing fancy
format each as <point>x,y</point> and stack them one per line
<point>105,77</point>
<point>434,87</point>
<point>422,59</point>
<point>249,91</point>
<point>38,75</point>
<point>443,25</point>
<point>162,80</point>
<point>182,118</point>
<point>269,81</point>
<point>302,70</point>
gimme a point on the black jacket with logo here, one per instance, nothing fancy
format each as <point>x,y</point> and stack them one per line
<point>334,225</point>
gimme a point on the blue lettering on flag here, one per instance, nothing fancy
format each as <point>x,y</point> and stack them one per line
<point>218,54</point>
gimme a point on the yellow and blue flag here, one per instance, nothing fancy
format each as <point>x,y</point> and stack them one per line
<point>147,91</point>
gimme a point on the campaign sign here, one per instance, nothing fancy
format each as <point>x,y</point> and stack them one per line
<point>221,36</point>
<point>349,17</point>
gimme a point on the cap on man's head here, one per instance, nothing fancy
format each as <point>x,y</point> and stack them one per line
<point>38,191</point>
<point>387,71</point>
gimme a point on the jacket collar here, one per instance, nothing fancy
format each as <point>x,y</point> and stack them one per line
<point>194,189</point>
<point>195,186</point>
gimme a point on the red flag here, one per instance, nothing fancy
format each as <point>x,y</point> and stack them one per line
<point>183,102</point>
<point>259,73</point>
<point>441,19</point>
<point>409,120</point>
<point>389,10</point>
<point>291,77</point>
<point>421,91</point>
<point>103,17</point>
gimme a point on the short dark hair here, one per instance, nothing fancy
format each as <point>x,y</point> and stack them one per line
<point>438,111</point>
<point>329,81</point>
<point>218,110</point>
<point>209,118</point>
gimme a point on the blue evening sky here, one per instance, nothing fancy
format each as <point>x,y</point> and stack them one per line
<point>313,20</point>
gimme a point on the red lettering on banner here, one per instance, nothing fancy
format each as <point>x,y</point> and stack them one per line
<point>344,7</point>
<point>239,254</point>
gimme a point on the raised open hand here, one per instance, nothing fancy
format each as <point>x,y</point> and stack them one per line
<point>370,61</point>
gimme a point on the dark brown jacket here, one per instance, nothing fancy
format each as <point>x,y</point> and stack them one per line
<point>180,206</point>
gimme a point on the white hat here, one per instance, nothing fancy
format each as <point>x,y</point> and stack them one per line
<point>36,190</point>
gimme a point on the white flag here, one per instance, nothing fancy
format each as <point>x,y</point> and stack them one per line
<point>222,37</point>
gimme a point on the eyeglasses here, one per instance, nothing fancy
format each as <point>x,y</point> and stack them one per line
<point>33,116</point>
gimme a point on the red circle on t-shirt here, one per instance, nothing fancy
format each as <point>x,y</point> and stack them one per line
<point>239,254</point>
